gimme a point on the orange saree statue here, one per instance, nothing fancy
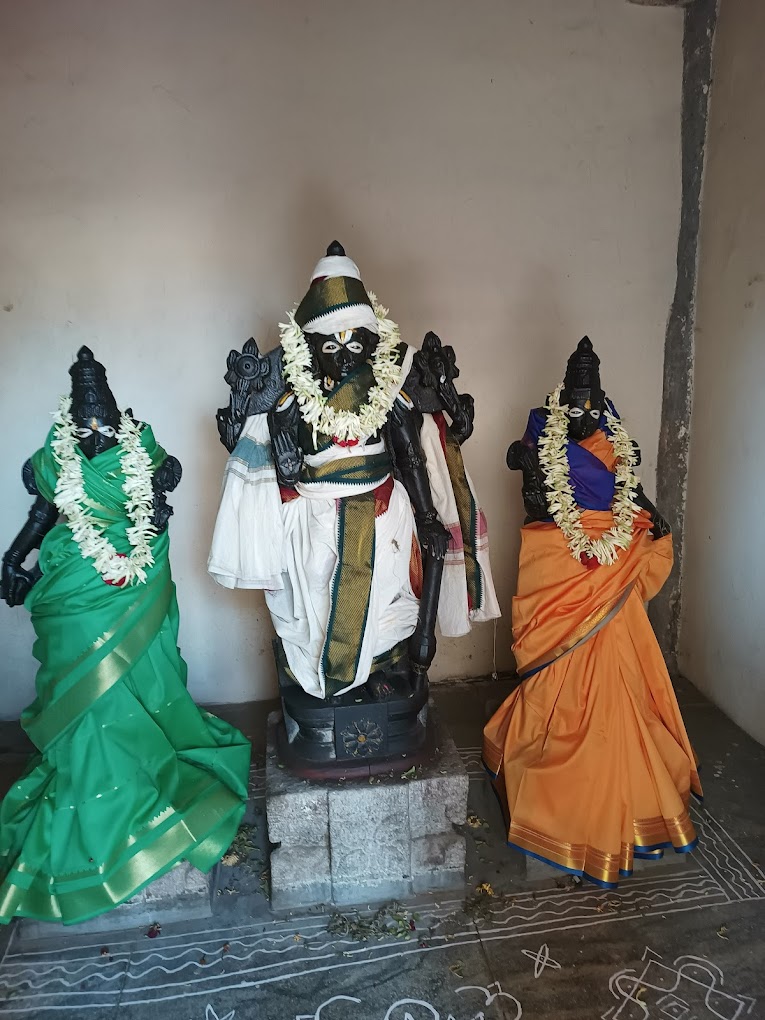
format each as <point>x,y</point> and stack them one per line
<point>589,755</point>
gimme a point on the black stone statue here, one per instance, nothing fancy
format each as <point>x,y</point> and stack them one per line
<point>353,726</point>
<point>97,417</point>
<point>586,401</point>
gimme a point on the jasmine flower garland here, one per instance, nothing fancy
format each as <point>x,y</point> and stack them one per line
<point>314,408</point>
<point>71,499</point>
<point>553,460</point>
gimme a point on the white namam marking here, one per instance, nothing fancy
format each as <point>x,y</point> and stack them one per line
<point>541,959</point>
<point>691,987</point>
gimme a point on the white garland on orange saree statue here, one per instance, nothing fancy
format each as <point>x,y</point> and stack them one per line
<point>314,409</point>
<point>71,499</point>
<point>553,461</point>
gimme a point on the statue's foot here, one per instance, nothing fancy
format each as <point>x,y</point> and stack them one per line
<point>380,688</point>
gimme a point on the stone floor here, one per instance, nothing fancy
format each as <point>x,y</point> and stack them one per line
<point>678,941</point>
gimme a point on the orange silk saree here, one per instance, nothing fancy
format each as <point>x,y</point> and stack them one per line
<point>589,755</point>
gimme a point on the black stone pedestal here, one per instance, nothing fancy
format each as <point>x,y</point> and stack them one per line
<point>354,734</point>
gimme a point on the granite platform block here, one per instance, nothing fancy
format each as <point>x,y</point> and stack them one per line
<point>182,894</point>
<point>366,841</point>
<point>301,874</point>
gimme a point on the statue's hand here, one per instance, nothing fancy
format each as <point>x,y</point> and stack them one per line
<point>229,429</point>
<point>240,399</point>
<point>288,458</point>
<point>660,527</point>
<point>168,474</point>
<point>16,583</point>
<point>433,536</point>
<point>422,647</point>
<point>166,478</point>
<point>462,423</point>
<point>514,452</point>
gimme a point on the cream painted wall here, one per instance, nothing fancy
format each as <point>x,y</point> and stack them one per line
<point>506,174</point>
<point>723,633</point>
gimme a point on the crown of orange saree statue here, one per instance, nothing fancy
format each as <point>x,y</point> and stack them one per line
<point>589,755</point>
<point>130,777</point>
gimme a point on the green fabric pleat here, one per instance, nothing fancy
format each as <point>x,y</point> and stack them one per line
<point>131,776</point>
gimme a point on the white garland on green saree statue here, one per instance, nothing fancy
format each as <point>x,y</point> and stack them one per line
<point>553,460</point>
<point>71,499</point>
<point>314,408</point>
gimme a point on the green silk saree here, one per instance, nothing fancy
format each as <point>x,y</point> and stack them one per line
<point>131,776</point>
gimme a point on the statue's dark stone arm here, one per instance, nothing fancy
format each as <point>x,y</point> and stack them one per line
<point>660,526</point>
<point>430,386</point>
<point>257,384</point>
<point>523,458</point>
<point>16,581</point>
<point>404,435</point>
<point>166,479</point>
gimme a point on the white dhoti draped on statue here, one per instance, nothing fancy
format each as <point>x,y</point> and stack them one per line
<point>300,610</point>
<point>290,549</point>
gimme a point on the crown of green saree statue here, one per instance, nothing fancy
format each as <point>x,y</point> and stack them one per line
<point>130,777</point>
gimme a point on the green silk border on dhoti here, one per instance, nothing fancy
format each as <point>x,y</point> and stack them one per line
<point>468,514</point>
<point>350,470</point>
<point>351,588</point>
<point>352,580</point>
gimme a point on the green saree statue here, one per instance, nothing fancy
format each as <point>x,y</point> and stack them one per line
<point>131,776</point>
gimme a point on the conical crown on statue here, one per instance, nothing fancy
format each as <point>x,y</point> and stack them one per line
<point>91,396</point>
<point>336,299</point>
<point>583,369</point>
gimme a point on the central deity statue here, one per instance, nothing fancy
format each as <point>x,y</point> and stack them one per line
<point>346,499</point>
